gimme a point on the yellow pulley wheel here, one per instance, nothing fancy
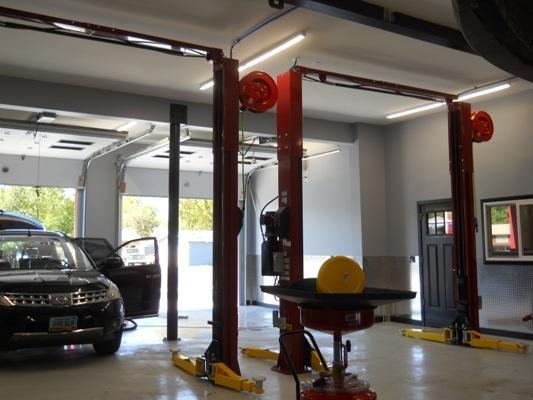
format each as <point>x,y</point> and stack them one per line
<point>340,274</point>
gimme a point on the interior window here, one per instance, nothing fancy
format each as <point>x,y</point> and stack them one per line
<point>502,230</point>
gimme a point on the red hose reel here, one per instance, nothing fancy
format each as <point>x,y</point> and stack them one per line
<point>482,126</point>
<point>258,92</point>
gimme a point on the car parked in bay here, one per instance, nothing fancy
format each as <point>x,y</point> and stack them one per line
<point>53,293</point>
<point>18,220</point>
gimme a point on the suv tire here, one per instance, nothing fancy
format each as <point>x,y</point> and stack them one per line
<point>108,347</point>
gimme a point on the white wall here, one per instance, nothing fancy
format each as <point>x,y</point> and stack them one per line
<point>54,172</point>
<point>416,154</point>
<point>371,161</point>
<point>416,165</point>
<point>330,217</point>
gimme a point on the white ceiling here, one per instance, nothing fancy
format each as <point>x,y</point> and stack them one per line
<point>52,145</point>
<point>331,44</point>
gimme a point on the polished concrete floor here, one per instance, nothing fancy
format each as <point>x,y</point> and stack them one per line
<point>398,368</point>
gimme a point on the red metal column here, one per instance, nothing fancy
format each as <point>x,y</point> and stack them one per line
<point>460,136</point>
<point>224,347</point>
<point>290,153</point>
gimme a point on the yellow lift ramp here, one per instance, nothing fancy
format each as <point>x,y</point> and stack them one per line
<point>466,337</point>
<point>217,373</point>
<point>267,354</point>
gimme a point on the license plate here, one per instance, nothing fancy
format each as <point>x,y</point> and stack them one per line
<point>63,324</point>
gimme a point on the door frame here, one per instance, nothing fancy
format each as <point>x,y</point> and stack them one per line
<point>423,294</point>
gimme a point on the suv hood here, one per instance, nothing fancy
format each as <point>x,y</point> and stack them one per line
<point>51,281</point>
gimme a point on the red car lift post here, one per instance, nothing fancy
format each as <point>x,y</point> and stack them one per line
<point>460,142</point>
<point>226,214</point>
<point>290,154</point>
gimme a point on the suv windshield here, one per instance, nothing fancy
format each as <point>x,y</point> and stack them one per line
<point>41,252</point>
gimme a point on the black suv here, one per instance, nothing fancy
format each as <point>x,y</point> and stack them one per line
<point>16,220</point>
<point>52,293</point>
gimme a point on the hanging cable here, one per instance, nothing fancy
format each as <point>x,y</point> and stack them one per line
<point>261,214</point>
<point>37,187</point>
<point>254,29</point>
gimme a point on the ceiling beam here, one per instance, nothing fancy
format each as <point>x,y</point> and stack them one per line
<point>379,17</point>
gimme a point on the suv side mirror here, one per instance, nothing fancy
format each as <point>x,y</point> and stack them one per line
<point>111,263</point>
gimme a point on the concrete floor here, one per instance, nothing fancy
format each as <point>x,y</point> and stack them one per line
<point>398,368</point>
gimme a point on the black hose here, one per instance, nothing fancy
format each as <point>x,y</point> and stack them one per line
<point>261,214</point>
<point>132,325</point>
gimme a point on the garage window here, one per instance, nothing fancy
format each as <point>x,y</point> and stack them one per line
<point>508,230</point>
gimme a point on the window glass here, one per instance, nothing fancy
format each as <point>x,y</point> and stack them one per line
<point>502,230</point>
<point>439,223</point>
<point>526,228</point>
<point>448,221</point>
<point>431,223</point>
<point>41,252</point>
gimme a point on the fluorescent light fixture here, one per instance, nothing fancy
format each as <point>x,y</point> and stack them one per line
<point>324,154</point>
<point>262,57</point>
<point>46,117</point>
<point>150,43</point>
<point>415,110</point>
<point>466,96</point>
<point>69,27</point>
<point>483,91</point>
<point>207,85</point>
<point>200,128</point>
<point>126,126</point>
<point>191,52</point>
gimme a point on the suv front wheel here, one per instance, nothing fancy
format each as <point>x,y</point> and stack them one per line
<point>108,347</point>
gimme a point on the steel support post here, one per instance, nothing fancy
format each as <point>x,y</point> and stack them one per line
<point>178,116</point>
<point>226,214</point>
<point>290,154</point>
<point>460,136</point>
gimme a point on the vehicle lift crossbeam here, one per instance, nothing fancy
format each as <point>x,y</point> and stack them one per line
<point>58,26</point>
<point>360,83</point>
<point>220,360</point>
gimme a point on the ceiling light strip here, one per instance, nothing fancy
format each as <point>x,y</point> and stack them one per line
<point>467,95</point>
<point>262,57</point>
<point>415,110</point>
<point>323,154</point>
<point>126,126</point>
<point>483,91</point>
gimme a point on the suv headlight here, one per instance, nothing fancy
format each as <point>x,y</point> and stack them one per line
<point>112,292</point>
<point>5,302</point>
